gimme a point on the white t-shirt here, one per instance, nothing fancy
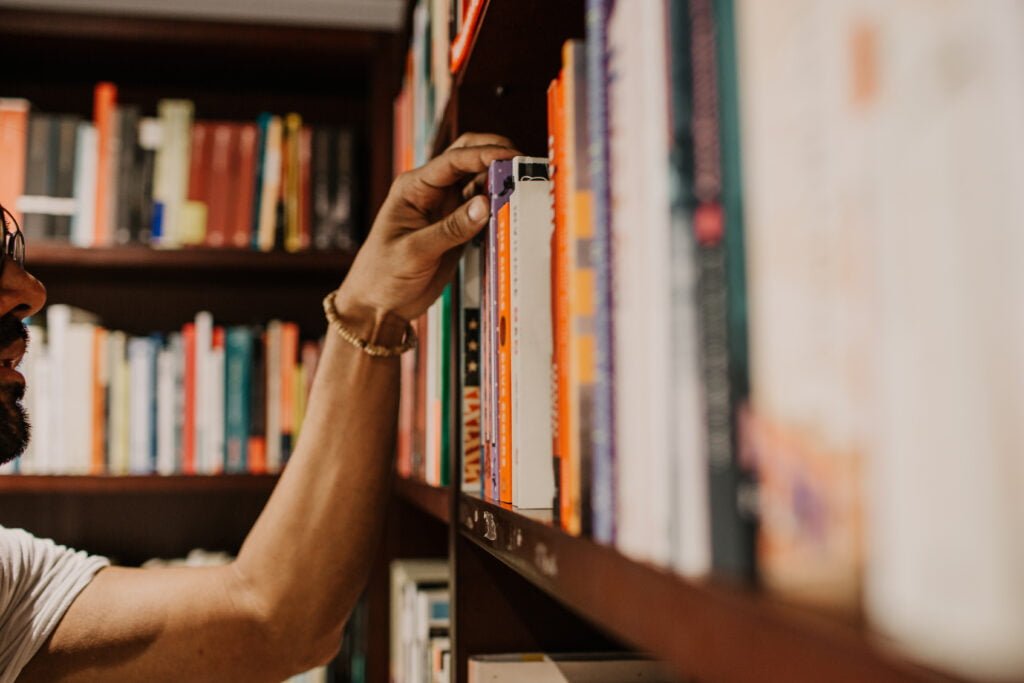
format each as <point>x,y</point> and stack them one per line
<point>38,582</point>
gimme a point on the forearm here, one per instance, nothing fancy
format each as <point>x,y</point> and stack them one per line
<point>308,555</point>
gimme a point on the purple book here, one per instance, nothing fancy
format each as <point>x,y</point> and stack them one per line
<point>499,186</point>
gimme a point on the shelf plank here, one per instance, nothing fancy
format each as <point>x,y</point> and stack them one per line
<point>137,257</point>
<point>106,485</point>
<point>711,631</point>
<point>435,501</point>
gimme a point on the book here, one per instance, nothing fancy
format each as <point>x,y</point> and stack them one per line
<point>83,221</point>
<point>498,183</point>
<point>104,103</point>
<point>239,344</point>
<point>531,224</point>
<point>171,174</point>
<point>470,359</point>
<point>141,429</point>
<point>409,578</point>
<point>243,183</point>
<point>14,114</point>
<point>270,179</point>
<point>195,210</point>
<point>39,179</point>
<point>221,182</point>
<point>128,215</point>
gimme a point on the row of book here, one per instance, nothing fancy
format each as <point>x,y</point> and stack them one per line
<point>207,399</point>
<point>767,321</point>
<point>421,646</point>
<point>172,180</point>
<point>441,38</point>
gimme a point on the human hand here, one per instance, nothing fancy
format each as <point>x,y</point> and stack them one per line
<point>416,240</point>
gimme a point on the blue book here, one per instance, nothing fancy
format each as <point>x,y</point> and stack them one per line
<point>602,423</point>
<point>262,122</point>
<point>239,343</point>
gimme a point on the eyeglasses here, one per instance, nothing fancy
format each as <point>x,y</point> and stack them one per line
<point>14,241</point>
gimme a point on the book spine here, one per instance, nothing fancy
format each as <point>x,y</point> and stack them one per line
<point>216,390</point>
<point>530,332</point>
<point>560,296</point>
<point>66,129</point>
<point>469,323</point>
<point>504,404</point>
<point>729,534</point>
<point>146,224</point>
<point>195,212</point>
<point>203,378</point>
<point>165,410</point>
<point>14,141</point>
<point>244,184</point>
<point>271,190</point>
<point>739,558</point>
<point>273,396</point>
<point>291,182</point>
<point>100,384</point>
<point>104,103</point>
<point>602,425</point>
<point>34,223</point>
<point>127,173</point>
<point>305,188</point>
<point>220,183</point>
<point>289,360</point>
<point>239,362</point>
<point>188,432</point>
<point>257,463</point>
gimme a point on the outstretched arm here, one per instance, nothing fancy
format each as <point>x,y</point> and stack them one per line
<point>281,606</point>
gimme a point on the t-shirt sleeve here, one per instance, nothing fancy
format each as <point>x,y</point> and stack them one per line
<point>38,582</point>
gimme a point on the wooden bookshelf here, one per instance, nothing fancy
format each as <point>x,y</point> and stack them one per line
<point>157,262</point>
<point>519,583</point>
<point>433,500</point>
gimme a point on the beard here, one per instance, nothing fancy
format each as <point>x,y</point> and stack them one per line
<point>14,426</point>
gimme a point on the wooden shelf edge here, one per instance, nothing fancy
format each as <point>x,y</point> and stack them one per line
<point>711,631</point>
<point>138,257</point>
<point>434,500</point>
<point>151,484</point>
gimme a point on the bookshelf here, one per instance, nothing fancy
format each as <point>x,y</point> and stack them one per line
<point>520,583</point>
<point>232,71</point>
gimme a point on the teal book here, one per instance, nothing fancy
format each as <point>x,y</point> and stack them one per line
<point>239,344</point>
<point>445,321</point>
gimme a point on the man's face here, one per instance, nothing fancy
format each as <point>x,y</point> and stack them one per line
<point>14,427</point>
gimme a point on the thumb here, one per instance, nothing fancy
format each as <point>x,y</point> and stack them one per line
<point>453,230</point>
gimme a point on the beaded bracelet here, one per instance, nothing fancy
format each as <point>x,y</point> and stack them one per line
<point>408,343</point>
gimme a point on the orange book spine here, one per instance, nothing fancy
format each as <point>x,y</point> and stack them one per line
<point>463,41</point>
<point>104,103</point>
<point>188,431</point>
<point>14,147</point>
<point>289,360</point>
<point>560,264</point>
<point>305,187</point>
<point>98,463</point>
<point>504,357</point>
<point>257,455</point>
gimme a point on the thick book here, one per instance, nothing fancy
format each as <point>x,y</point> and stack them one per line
<point>63,148</point>
<point>118,398</point>
<point>141,429</point>
<point>243,183</point>
<point>530,228</point>
<point>503,332</point>
<point>171,173</point>
<point>39,179</point>
<point>219,182</point>
<point>195,211</point>
<point>84,218</point>
<point>129,175</point>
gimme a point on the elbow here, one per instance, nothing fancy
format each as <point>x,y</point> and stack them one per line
<point>289,641</point>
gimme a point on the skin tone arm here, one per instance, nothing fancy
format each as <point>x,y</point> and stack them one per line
<point>280,608</point>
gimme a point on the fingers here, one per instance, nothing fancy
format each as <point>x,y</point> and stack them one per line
<point>477,185</point>
<point>457,164</point>
<point>453,230</point>
<point>478,139</point>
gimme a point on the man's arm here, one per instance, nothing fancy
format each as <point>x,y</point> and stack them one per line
<point>281,606</point>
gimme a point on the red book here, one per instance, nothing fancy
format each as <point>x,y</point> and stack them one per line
<point>198,177</point>
<point>243,184</point>
<point>218,182</point>
<point>188,432</point>
<point>13,147</point>
<point>462,42</point>
<point>104,103</point>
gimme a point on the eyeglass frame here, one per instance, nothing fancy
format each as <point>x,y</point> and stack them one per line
<point>13,247</point>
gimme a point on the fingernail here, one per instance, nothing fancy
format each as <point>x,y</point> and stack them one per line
<point>478,209</point>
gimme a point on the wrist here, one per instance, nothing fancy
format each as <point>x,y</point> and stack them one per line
<point>371,323</point>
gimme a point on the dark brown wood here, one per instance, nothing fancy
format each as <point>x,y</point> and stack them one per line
<point>196,260</point>
<point>496,610</point>
<point>713,632</point>
<point>134,524</point>
<point>116,485</point>
<point>434,500</point>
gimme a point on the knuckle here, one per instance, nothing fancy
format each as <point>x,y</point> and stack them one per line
<point>451,227</point>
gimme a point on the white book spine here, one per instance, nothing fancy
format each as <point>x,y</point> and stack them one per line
<point>531,225</point>
<point>117,415</point>
<point>58,319</point>
<point>204,343</point>
<point>139,426</point>
<point>83,221</point>
<point>216,425</point>
<point>79,397</point>
<point>271,184</point>
<point>40,411</point>
<point>165,409</point>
